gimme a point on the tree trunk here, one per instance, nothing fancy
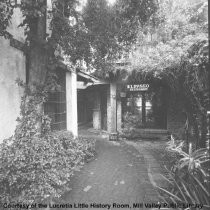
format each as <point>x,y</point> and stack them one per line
<point>37,52</point>
<point>37,55</point>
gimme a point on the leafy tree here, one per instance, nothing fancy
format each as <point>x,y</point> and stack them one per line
<point>112,29</point>
<point>173,46</point>
<point>168,35</point>
<point>99,35</point>
<point>6,11</point>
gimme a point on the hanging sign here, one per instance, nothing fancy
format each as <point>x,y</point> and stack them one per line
<point>137,87</point>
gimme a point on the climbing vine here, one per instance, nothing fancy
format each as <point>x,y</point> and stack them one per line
<point>35,163</point>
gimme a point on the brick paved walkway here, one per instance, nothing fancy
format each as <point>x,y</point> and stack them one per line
<point>118,174</point>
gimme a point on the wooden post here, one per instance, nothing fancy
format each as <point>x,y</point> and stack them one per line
<point>111,109</point>
<point>143,105</point>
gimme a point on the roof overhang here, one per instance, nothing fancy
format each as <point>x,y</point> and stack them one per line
<point>88,79</point>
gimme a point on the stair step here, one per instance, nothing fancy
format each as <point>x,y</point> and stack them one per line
<point>152,131</point>
<point>150,134</point>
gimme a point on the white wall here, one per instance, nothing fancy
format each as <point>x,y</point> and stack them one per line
<point>12,66</point>
<point>71,102</point>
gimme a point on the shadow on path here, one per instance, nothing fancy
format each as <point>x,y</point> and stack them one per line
<point>118,174</point>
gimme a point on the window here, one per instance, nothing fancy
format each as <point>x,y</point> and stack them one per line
<point>55,107</point>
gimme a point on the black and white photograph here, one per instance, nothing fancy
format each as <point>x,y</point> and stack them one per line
<point>104,105</point>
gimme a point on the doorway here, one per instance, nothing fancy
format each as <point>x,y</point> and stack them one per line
<point>148,108</point>
<point>104,108</point>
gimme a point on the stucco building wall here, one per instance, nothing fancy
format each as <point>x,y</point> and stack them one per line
<point>12,67</point>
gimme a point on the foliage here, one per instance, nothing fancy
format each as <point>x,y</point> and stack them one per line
<point>174,145</point>
<point>97,34</point>
<point>189,178</point>
<point>69,32</point>
<point>112,28</point>
<point>165,40</point>
<point>86,145</point>
<point>130,123</point>
<point>36,163</point>
<point>173,47</point>
<point>6,11</point>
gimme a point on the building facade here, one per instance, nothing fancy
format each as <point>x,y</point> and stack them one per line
<point>12,67</point>
<point>83,98</point>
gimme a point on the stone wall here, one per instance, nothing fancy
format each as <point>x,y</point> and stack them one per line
<point>12,67</point>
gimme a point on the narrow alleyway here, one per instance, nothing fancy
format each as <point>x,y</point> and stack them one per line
<point>118,174</point>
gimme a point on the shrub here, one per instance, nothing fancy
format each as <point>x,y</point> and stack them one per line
<point>36,163</point>
<point>189,178</point>
<point>33,169</point>
<point>131,122</point>
<point>86,145</point>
